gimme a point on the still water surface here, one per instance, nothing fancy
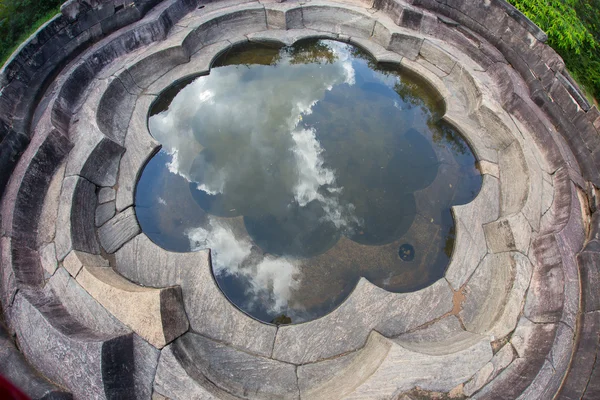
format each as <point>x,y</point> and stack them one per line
<point>304,168</point>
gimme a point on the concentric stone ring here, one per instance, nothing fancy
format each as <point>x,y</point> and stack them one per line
<point>102,312</point>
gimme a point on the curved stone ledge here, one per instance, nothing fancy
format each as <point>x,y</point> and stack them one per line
<point>513,275</point>
<point>156,315</point>
<point>47,333</point>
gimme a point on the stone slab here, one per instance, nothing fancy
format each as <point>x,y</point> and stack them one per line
<point>470,246</point>
<point>119,230</point>
<point>347,327</point>
<point>157,315</point>
<point>93,365</point>
<point>339,376</point>
<point>76,260</point>
<point>173,382</point>
<point>47,221</point>
<point>104,212</point>
<point>106,194</point>
<point>512,233</point>
<point>242,374</point>
<point>140,147</point>
<point>75,221</point>
<point>403,370</point>
<point>208,310</point>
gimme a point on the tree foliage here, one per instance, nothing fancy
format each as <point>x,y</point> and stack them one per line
<point>18,19</point>
<point>573,28</point>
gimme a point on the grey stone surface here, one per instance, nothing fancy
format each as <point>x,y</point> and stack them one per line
<point>119,230</point>
<point>437,56</point>
<point>145,358</point>
<point>337,377</point>
<point>173,382</point>
<point>94,156</point>
<point>403,369</point>
<point>157,315</point>
<point>48,258</point>
<point>511,233</point>
<point>16,370</point>
<point>76,260</point>
<point>494,294</point>
<point>74,224</point>
<point>81,306</point>
<point>470,246</point>
<point>443,337</point>
<point>104,212</point>
<point>106,194</point>
<point>140,146</point>
<point>513,179</point>
<point>243,374</point>
<point>351,21</point>
<point>47,222</point>
<point>499,362</point>
<point>405,45</point>
<point>545,296</point>
<point>92,365</point>
<point>208,311</point>
<point>348,326</point>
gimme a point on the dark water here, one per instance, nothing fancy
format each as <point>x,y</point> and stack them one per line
<point>303,169</point>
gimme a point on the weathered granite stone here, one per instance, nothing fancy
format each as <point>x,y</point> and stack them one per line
<point>76,260</point>
<point>94,157</point>
<point>443,337</point>
<point>336,377</point>
<point>209,312</point>
<point>106,194</point>
<point>104,212</point>
<point>25,195</point>
<point>48,258</point>
<point>47,221</point>
<point>470,246</point>
<point>589,267</point>
<point>15,369</point>
<point>512,233</point>
<point>140,146</point>
<point>93,365</point>
<point>173,382</point>
<point>486,167</point>
<point>405,45</point>
<point>157,315</point>
<point>119,230</point>
<point>241,373</point>
<point>403,369</point>
<point>347,327</point>
<point>115,108</point>
<point>494,294</point>
<point>145,358</point>
<point>411,19</point>
<point>513,179</point>
<point>583,361</point>
<point>545,296</point>
<point>437,56</point>
<point>499,362</point>
<point>81,306</point>
<point>351,21</point>
<point>75,222</point>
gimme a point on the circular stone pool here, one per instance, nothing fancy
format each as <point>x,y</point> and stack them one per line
<point>304,168</point>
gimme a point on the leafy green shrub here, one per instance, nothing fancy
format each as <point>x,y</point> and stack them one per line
<point>573,28</point>
<point>20,18</point>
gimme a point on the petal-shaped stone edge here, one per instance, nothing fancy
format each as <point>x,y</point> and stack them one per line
<point>157,315</point>
<point>471,94</point>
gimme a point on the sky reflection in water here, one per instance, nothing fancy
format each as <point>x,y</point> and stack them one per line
<point>303,169</point>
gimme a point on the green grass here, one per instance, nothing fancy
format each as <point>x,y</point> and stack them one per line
<point>21,18</point>
<point>6,52</point>
<point>573,28</point>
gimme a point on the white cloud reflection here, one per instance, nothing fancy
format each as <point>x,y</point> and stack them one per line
<point>270,279</point>
<point>248,118</point>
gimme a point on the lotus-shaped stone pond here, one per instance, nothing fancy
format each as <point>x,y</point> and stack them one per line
<point>304,168</point>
